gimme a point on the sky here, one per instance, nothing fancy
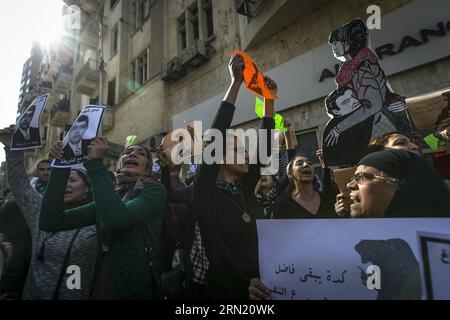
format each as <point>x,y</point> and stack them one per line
<point>21,22</point>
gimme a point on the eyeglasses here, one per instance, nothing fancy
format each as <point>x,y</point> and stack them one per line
<point>362,177</point>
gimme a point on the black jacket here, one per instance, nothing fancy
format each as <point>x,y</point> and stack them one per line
<point>14,231</point>
<point>68,153</point>
<point>230,238</point>
<point>19,140</point>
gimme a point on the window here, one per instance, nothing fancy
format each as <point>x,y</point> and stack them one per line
<point>112,93</point>
<point>145,8</point>
<point>193,21</point>
<point>195,24</point>
<point>208,19</point>
<point>182,37</point>
<point>142,11</point>
<point>112,4</point>
<point>140,68</point>
<point>114,39</point>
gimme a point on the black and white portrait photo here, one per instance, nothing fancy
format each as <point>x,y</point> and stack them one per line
<point>26,134</point>
<point>83,131</point>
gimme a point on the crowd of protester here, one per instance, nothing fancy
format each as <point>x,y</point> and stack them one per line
<point>190,233</point>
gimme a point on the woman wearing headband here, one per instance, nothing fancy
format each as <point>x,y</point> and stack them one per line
<point>128,218</point>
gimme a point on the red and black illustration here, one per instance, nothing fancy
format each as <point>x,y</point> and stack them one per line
<point>363,106</point>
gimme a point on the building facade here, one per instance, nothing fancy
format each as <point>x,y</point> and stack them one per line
<point>30,77</point>
<point>165,63</point>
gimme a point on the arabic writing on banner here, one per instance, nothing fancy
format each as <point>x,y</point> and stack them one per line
<point>339,259</point>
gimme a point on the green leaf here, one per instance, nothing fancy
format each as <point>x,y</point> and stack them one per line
<point>278,118</point>
<point>259,108</point>
<point>279,123</point>
<point>432,142</point>
<point>131,140</point>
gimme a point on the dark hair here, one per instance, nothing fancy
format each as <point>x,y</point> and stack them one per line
<point>330,101</point>
<point>149,154</point>
<point>42,162</point>
<point>291,186</point>
<point>355,33</point>
<point>86,181</point>
<point>82,118</point>
<point>6,192</point>
<point>378,144</point>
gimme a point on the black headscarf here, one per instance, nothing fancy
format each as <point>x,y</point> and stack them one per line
<point>421,193</point>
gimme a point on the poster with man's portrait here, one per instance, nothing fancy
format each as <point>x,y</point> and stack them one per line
<point>83,131</point>
<point>26,134</point>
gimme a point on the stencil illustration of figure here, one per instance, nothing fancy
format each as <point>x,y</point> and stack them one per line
<point>400,275</point>
<point>365,81</point>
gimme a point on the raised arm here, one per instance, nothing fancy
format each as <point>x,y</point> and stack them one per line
<point>207,175</point>
<point>27,199</point>
<point>267,126</point>
<point>173,196</point>
<point>54,218</point>
<point>112,212</point>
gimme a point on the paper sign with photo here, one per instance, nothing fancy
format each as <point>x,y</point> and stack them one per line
<point>83,131</point>
<point>27,134</point>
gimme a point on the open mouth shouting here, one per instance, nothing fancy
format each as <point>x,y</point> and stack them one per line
<point>355,199</point>
<point>130,163</point>
<point>307,173</point>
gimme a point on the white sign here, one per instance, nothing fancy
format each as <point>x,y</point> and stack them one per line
<point>435,268</point>
<point>83,131</point>
<point>27,131</point>
<point>341,259</point>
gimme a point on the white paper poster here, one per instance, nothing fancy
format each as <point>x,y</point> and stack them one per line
<point>27,131</point>
<point>342,259</point>
<point>83,131</point>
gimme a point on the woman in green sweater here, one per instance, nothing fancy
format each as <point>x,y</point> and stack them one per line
<point>128,218</point>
